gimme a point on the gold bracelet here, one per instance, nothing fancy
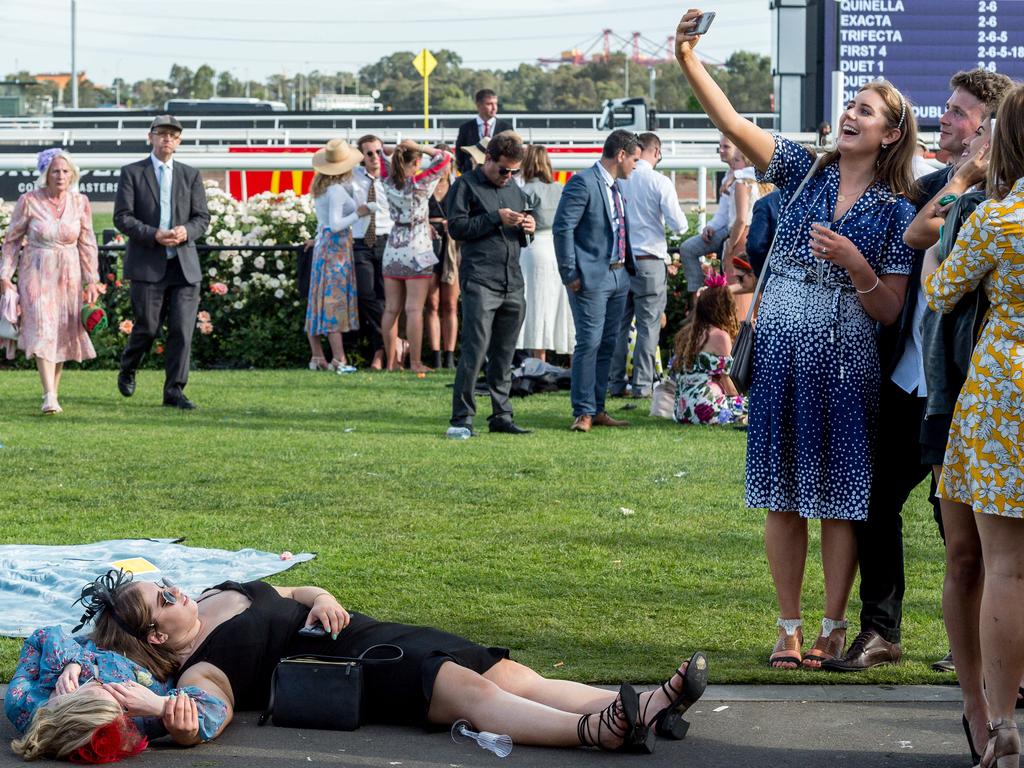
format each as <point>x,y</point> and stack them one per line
<point>869,290</point>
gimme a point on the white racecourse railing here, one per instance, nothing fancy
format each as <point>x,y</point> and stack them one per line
<point>374,120</point>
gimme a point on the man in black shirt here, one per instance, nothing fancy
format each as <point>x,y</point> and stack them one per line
<point>486,214</point>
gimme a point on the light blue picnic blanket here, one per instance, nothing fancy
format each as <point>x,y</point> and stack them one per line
<point>38,584</point>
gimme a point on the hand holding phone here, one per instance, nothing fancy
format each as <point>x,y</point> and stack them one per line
<point>703,23</point>
<point>316,630</point>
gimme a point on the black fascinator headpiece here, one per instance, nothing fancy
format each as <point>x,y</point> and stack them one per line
<point>101,595</point>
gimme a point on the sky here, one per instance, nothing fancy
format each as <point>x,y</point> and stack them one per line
<point>138,39</point>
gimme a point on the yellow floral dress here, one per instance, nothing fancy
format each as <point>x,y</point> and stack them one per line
<point>984,464</point>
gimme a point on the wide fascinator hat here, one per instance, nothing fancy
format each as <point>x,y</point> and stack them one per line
<point>478,151</point>
<point>336,158</point>
<point>93,318</point>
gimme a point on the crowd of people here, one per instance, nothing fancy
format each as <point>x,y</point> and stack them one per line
<point>889,349</point>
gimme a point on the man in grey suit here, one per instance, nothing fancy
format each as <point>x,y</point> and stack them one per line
<point>594,256</point>
<point>161,209</point>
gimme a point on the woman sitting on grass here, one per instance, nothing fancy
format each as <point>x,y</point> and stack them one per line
<point>229,640</point>
<point>66,696</point>
<point>703,359</point>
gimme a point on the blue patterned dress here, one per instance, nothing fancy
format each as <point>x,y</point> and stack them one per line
<point>332,281</point>
<point>47,651</point>
<point>814,397</point>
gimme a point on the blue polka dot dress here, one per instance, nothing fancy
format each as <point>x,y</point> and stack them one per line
<point>814,397</point>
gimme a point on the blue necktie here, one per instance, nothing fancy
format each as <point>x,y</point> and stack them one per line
<point>165,203</point>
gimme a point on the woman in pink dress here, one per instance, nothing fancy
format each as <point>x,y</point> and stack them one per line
<point>51,245</point>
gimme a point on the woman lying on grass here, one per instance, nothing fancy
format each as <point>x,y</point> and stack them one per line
<point>228,641</point>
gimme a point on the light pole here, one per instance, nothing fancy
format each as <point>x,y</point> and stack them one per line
<point>74,67</point>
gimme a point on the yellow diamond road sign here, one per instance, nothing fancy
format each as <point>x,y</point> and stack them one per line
<point>424,63</point>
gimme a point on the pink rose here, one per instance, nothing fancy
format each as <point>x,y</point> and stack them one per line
<point>206,328</point>
<point>218,289</point>
<point>203,317</point>
<point>126,326</point>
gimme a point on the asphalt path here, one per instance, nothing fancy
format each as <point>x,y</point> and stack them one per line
<point>763,726</point>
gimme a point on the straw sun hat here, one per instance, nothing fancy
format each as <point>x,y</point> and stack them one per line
<point>336,158</point>
<point>478,151</point>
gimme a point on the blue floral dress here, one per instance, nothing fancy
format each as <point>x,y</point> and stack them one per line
<point>48,650</point>
<point>814,397</point>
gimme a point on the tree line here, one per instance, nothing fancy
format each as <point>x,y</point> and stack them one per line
<point>745,77</point>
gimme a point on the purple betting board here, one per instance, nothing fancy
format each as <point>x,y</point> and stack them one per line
<point>919,44</point>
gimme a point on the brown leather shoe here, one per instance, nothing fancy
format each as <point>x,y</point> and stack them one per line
<point>604,420</point>
<point>868,650</point>
<point>581,423</point>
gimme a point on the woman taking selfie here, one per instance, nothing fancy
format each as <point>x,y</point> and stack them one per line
<point>839,267</point>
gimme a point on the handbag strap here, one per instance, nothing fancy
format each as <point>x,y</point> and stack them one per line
<point>764,269</point>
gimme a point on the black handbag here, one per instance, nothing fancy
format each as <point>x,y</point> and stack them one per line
<point>742,372</point>
<point>322,692</point>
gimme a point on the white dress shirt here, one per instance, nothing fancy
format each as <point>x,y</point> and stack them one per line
<point>490,126</point>
<point>909,372</point>
<point>651,204</point>
<point>609,182</point>
<point>361,181</point>
<point>726,213</point>
<point>166,205</point>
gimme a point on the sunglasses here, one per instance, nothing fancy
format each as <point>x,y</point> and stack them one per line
<point>508,171</point>
<point>166,585</point>
<point>374,152</point>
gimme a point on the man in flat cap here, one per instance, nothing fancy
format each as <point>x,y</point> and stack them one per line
<point>161,209</point>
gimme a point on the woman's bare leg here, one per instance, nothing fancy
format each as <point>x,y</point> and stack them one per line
<point>47,375</point>
<point>1002,618</point>
<point>460,693</point>
<point>785,541</point>
<point>337,346</point>
<point>570,696</point>
<point>58,369</point>
<point>961,610</point>
<point>415,296</point>
<point>394,297</point>
<point>315,348</point>
<point>449,311</point>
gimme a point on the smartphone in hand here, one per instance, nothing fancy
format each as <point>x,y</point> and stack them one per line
<point>703,23</point>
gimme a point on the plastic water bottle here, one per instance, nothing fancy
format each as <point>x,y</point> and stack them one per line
<point>458,433</point>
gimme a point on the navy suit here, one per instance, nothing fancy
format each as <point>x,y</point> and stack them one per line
<point>162,288</point>
<point>585,250</point>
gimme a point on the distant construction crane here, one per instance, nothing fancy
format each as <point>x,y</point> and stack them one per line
<point>642,51</point>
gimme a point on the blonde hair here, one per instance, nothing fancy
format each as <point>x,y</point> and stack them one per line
<point>1006,164</point>
<point>537,164</point>
<point>60,728</point>
<point>321,181</point>
<point>44,175</point>
<point>896,161</point>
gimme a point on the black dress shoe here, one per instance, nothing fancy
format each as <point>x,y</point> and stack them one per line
<point>126,383</point>
<point>868,650</point>
<point>507,426</point>
<point>179,401</point>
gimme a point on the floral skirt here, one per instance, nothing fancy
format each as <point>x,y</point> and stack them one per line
<point>332,286</point>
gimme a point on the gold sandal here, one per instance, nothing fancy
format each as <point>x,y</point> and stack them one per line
<point>829,645</point>
<point>789,647</point>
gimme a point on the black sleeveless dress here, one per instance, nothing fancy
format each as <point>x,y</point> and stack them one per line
<point>247,648</point>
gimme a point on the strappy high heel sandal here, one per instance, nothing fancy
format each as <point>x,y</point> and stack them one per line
<point>620,720</point>
<point>319,364</point>
<point>829,645</point>
<point>669,723</point>
<point>789,647</point>
<point>975,757</point>
<point>1003,748</point>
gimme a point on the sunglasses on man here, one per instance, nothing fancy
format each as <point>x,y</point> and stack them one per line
<point>508,171</point>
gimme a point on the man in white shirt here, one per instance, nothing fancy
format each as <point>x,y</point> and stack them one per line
<point>485,125</point>
<point>369,238</point>
<point>711,238</point>
<point>651,205</point>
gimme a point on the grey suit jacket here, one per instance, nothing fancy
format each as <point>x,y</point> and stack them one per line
<point>583,230</point>
<point>137,216</point>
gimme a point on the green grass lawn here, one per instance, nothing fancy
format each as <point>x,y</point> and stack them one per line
<point>514,541</point>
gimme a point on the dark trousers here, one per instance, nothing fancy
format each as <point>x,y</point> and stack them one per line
<point>370,287</point>
<point>490,327</point>
<point>898,471</point>
<point>172,300</point>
